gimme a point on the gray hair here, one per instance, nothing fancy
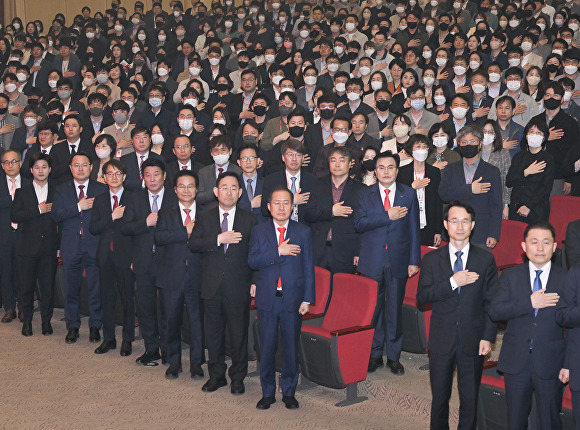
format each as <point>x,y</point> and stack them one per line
<point>470,129</point>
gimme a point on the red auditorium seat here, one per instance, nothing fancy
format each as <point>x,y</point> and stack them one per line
<point>336,354</point>
<point>566,414</point>
<point>508,252</point>
<point>563,209</point>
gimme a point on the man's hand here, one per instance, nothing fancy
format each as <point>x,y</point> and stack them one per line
<point>152,219</point>
<point>247,114</point>
<point>256,201</point>
<point>437,240</point>
<point>484,347</point>
<point>387,131</point>
<point>555,133</point>
<point>465,277</point>
<point>567,188</point>
<point>86,203</point>
<point>7,128</point>
<point>478,187</point>
<point>355,261</point>
<point>288,249</point>
<point>301,198</point>
<point>509,144</point>
<point>304,308</point>
<point>124,143</point>
<point>228,237</point>
<point>253,290</point>
<point>505,213</point>
<point>541,299</point>
<point>440,164</point>
<point>189,227</point>
<point>44,207</point>
<point>564,376</point>
<point>339,210</point>
<point>31,140</point>
<point>397,212</point>
<point>443,116</point>
<point>481,112</point>
<point>520,109</point>
<point>524,211</point>
<point>414,42</point>
<point>421,131</point>
<point>463,89</point>
<point>16,109</point>
<point>118,212</point>
<point>420,183</point>
<point>491,242</point>
<point>305,160</point>
<point>412,270</point>
<point>535,167</point>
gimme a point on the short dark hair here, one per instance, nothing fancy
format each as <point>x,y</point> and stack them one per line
<point>388,154</point>
<point>459,204</point>
<point>226,174</point>
<point>248,146</point>
<point>281,188</point>
<point>37,157</point>
<point>293,144</point>
<point>186,172</point>
<point>342,150</point>
<point>115,163</point>
<point>140,129</point>
<point>541,225</point>
<point>153,162</point>
<point>81,154</point>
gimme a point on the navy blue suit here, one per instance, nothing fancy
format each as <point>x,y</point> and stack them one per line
<point>78,252</point>
<point>134,182</point>
<point>244,202</point>
<point>488,206</point>
<point>387,249</point>
<point>533,347</point>
<point>297,280</point>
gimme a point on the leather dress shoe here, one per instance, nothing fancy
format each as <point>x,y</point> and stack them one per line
<point>47,328</point>
<point>126,348</point>
<point>196,372</point>
<point>237,387</point>
<point>173,371</point>
<point>375,363</point>
<point>214,384</point>
<point>94,335</point>
<point>9,316</point>
<point>163,357</point>
<point>290,402</point>
<point>21,316</point>
<point>149,359</point>
<point>396,367</point>
<point>265,402</point>
<point>27,329</point>
<point>106,346</point>
<point>72,335</point>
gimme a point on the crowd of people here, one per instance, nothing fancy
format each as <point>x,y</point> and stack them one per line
<point>189,159</point>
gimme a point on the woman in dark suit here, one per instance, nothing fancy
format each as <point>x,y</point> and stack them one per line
<point>424,179</point>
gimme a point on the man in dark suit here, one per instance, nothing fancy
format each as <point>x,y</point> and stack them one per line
<point>476,183</point>
<point>157,112</point>
<point>533,348</point>
<point>25,137</point>
<point>40,67</point>
<point>183,152</point>
<point>320,134</point>
<point>281,251</point>
<point>330,213</point>
<point>222,234</point>
<point>252,183</point>
<point>294,177</point>
<point>96,121</point>
<point>134,161</point>
<point>72,209</point>
<point>390,252</point>
<point>65,55</point>
<point>10,181</point>
<point>114,258</point>
<point>39,243</point>
<point>140,222</point>
<point>179,275</point>
<point>460,281</point>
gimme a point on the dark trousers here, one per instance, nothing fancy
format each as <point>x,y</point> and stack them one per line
<point>576,408</point>
<point>329,262</point>
<point>290,324</point>
<point>519,389</point>
<point>221,314</point>
<point>388,316</point>
<point>41,268</point>
<point>441,369</point>
<point>117,280</point>
<point>175,299</point>
<point>9,280</point>
<point>73,277</point>
<point>151,312</point>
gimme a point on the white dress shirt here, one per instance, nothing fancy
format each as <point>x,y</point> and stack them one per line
<point>383,192</point>
<point>159,199</point>
<point>119,194</point>
<point>453,258</point>
<point>231,215</point>
<point>193,209</point>
<point>543,276</point>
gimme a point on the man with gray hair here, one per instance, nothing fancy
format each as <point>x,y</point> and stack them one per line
<point>477,183</point>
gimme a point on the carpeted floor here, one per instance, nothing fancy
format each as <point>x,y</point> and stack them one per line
<point>52,385</point>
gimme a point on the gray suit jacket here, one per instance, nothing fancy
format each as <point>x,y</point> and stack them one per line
<point>207,177</point>
<point>10,119</point>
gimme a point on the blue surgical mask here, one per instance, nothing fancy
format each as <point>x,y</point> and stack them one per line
<point>418,104</point>
<point>155,102</point>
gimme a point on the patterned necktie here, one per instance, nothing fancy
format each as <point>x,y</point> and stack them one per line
<point>73,150</point>
<point>220,170</point>
<point>155,209</point>
<point>82,196</point>
<point>250,190</point>
<point>294,216</point>
<point>12,192</point>
<point>537,286</point>
<point>115,206</point>
<point>44,151</point>
<point>282,231</point>
<point>458,266</point>
<point>141,166</point>
<point>225,228</point>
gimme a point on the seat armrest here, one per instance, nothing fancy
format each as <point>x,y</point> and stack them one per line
<point>506,266</point>
<point>310,316</point>
<point>351,330</point>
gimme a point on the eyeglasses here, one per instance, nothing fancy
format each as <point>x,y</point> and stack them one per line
<point>9,162</point>
<point>248,79</point>
<point>293,155</point>
<point>78,165</point>
<point>225,188</point>
<point>45,133</point>
<point>112,175</point>
<point>455,222</point>
<point>251,158</point>
<point>336,130</point>
<point>469,142</point>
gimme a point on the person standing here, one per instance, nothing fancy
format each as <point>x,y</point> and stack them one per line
<point>460,281</point>
<point>390,252</point>
<point>281,252</point>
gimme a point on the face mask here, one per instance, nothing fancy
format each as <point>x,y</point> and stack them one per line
<point>469,151</point>
<point>310,80</point>
<point>400,130</point>
<point>441,62</point>
<point>155,102</point>
<point>570,70</point>
<point>103,153</point>
<point>163,72</point>
<point>12,87</point>
<point>296,131</point>
<point>556,51</point>
<point>427,54</point>
<point>412,25</point>
<point>368,53</point>
<point>474,65</point>
<point>118,28</point>
<point>439,100</point>
<point>285,110</point>
<point>269,58</point>
<point>514,23</point>
<point>135,21</point>
<point>52,83</point>
<point>249,139</point>
<point>420,155</point>
<point>304,34</point>
<point>353,97</point>
<point>478,88</point>
<point>567,96</point>
<point>135,49</point>
<point>488,139</point>
<point>440,141</point>
<point>276,6</point>
<point>221,159</point>
<point>185,124</point>
<point>444,26</point>
<point>376,85</point>
<point>514,62</point>
<point>402,27</point>
<point>219,121</point>
<point>430,28</point>
<point>96,111</point>
<point>260,110</point>
<point>64,94</point>
<point>326,114</point>
<point>332,67</point>
<point>340,137</point>
<point>340,87</point>
<point>194,71</point>
<point>456,5</point>
<point>277,79</point>
<point>213,61</point>
<point>120,118</point>
<point>364,70</point>
<point>551,104</point>
<point>534,140</point>
<point>157,139</point>
<point>503,24</point>
<point>191,102</point>
<point>400,9</point>
<point>141,37</point>
<point>102,78</point>
<point>494,77</point>
<point>30,122</point>
<point>261,18</point>
<point>369,165</point>
<point>533,80</point>
<point>558,22</point>
<point>573,26</point>
<point>33,102</point>
<point>541,25</point>
<point>412,3</point>
<point>338,50</point>
<point>459,70</point>
<point>282,20</point>
<point>514,85</point>
<point>243,64</point>
<point>418,104</point>
<point>433,3</point>
<point>241,16</point>
<point>459,112</point>
<point>162,37</point>
<point>55,117</point>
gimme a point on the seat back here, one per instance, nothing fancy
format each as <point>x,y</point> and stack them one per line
<point>353,302</point>
<point>508,251</point>
<point>322,281</point>
<point>563,209</point>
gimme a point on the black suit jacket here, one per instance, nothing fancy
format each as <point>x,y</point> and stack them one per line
<point>102,224</point>
<point>318,213</point>
<point>307,181</point>
<point>464,313</point>
<point>228,270</point>
<point>6,204</point>
<point>244,201</point>
<point>172,167</point>
<point>133,182</point>
<point>19,139</point>
<point>39,231</point>
<point>60,154</point>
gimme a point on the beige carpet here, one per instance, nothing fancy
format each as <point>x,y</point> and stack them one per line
<point>52,385</point>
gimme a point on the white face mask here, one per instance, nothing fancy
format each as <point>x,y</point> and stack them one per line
<point>353,97</point>
<point>400,130</point>
<point>194,71</point>
<point>474,65</point>
<point>513,85</point>
<point>30,122</point>
<point>488,139</point>
<point>88,82</point>
<point>428,81</point>
<point>277,79</point>
<point>10,87</point>
<point>135,49</point>
<point>402,27</point>
<point>494,77</point>
<point>162,72</point>
<point>219,121</point>
<point>338,50</point>
<point>534,140</point>
<point>90,34</point>
<point>541,25</point>
<point>533,80</point>
<point>191,102</point>
<point>570,69</point>
<point>441,62</point>
<point>567,96</point>
<point>214,61</point>
<point>527,46</point>
<point>456,5</point>
<point>557,51</point>
<point>573,26</point>
<point>130,103</point>
<point>514,62</point>
<point>558,22</point>
<point>282,20</point>
<point>304,34</point>
<point>230,24</point>
<point>221,159</point>
<point>459,112</point>
<point>439,100</point>
<point>340,87</point>
<point>118,28</point>
<point>430,28</point>
<point>162,37</point>
<point>434,3</point>
<point>478,88</point>
<point>310,80</point>
<point>340,137</point>
<point>420,155</point>
<point>440,141</point>
<point>141,37</point>
<point>185,124</point>
<point>427,54</point>
<point>400,9</point>
<point>270,58</point>
<point>459,70</point>
<point>349,26</point>
<point>364,70</point>
<point>103,153</point>
<point>369,52</point>
<point>52,83</point>
<point>333,67</point>
<point>514,23</point>
<point>157,139</point>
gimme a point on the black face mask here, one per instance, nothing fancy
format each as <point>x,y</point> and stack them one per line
<point>250,139</point>
<point>222,87</point>
<point>33,102</point>
<point>306,13</point>
<point>218,16</point>
<point>552,104</point>
<point>369,165</point>
<point>201,14</point>
<point>396,54</point>
<point>528,13</point>
<point>96,111</point>
<point>481,33</point>
<point>384,29</point>
<point>314,34</point>
<point>248,27</point>
<point>243,64</point>
<point>552,68</point>
<point>258,52</point>
<point>259,110</point>
<point>412,25</point>
<point>383,105</point>
<point>326,113</point>
<point>352,55</point>
<point>3,111</point>
<point>296,131</point>
<point>443,26</point>
<point>469,151</point>
<point>55,117</point>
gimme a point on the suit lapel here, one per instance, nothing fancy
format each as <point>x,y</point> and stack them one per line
<point>446,261</point>
<point>399,196</point>
<point>376,197</point>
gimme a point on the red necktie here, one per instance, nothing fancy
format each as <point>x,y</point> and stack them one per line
<point>220,170</point>
<point>81,196</point>
<point>115,206</point>
<point>12,193</point>
<point>141,167</point>
<point>187,217</point>
<point>282,230</point>
<point>183,167</point>
<point>387,205</point>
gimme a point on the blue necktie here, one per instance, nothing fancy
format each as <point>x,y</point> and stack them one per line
<point>536,287</point>
<point>225,228</point>
<point>458,266</point>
